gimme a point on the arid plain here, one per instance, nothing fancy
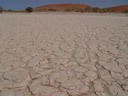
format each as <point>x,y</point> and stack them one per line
<point>63,54</point>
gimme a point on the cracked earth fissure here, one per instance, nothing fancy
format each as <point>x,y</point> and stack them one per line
<point>63,55</point>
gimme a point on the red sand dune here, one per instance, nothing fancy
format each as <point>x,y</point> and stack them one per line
<point>63,6</point>
<point>79,6</point>
<point>119,8</point>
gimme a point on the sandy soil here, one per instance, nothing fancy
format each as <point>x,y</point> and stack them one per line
<point>63,55</point>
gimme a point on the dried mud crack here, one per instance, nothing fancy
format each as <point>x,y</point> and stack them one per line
<point>63,55</point>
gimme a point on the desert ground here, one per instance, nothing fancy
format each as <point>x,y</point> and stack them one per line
<point>63,54</point>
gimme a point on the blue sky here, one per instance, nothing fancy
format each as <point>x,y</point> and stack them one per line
<point>22,4</point>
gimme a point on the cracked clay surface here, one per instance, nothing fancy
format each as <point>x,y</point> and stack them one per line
<point>63,55</point>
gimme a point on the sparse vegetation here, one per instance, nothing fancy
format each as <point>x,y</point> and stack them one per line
<point>75,9</point>
<point>104,10</point>
<point>95,9</point>
<point>88,9</point>
<point>10,10</point>
<point>72,9</point>
<point>1,9</point>
<point>41,10</point>
<point>51,9</point>
<point>108,10</point>
<point>68,10</point>
<point>29,9</point>
<point>101,10</point>
<point>125,11</point>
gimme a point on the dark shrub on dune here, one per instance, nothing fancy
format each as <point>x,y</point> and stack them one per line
<point>1,9</point>
<point>10,10</point>
<point>68,10</point>
<point>73,10</point>
<point>51,9</point>
<point>29,9</point>
<point>106,10</point>
<point>95,9</point>
<point>88,9</point>
<point>125,11</point>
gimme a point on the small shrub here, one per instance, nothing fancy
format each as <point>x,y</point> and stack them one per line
<point>95,9</point>
<point>111,10</point>
<point>29,9</point>
<point>68,10</point>
<point>104,10</point>
<point>88,9</point>
<point>40,10</point>
<point>77,10</point>
<point>9,10</point>
<point>125,11</point>
<point>72,9</point>
<point>101,11</point>
<point>44,9</point>
<point>51,9</point>
<point>108,10</point>
<point>82,11</point>
<point>1,9</point>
